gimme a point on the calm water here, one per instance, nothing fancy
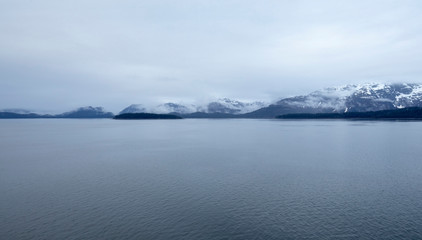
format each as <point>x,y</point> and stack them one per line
<point>210,179</point>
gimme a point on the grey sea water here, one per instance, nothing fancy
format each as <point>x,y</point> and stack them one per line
<point>210,179</point>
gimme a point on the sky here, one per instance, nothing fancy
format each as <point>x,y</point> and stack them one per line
<point>60,55</point>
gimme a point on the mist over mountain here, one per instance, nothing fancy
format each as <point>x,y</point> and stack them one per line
<point>134,108</point>
<point>226,105</point>
<point>82,112</point>
<point>86,112</point>
<point>348,98</point>
<point>223,105</point>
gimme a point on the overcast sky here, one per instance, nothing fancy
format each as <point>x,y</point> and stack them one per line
<point>59,55</point>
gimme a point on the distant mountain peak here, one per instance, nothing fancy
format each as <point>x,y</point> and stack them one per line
<point>134,108</point>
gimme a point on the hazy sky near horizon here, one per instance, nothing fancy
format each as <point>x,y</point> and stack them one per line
<point>58,55</point>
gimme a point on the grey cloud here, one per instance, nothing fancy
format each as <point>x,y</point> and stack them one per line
<point>63,54</point>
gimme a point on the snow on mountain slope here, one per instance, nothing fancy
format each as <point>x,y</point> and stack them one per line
<point>223,105</point>
<point>328,98</point>
<point>226,105</point>
<point>347,98</point>
<point>174,108</point>
<point>411,97</point>
<point>360,97</point>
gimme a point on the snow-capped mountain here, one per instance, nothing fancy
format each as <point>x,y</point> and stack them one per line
<point>162,108</point>
<point>175,108</point>
<point>223,105</point>
<point>226,105</point>
<point>348,98</point>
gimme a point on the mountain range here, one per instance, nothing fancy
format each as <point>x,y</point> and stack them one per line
<point>83,112</point>
<point>348,98</point>
<point>223,106</point>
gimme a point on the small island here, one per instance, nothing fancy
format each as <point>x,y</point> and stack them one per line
<point>135,116</point>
